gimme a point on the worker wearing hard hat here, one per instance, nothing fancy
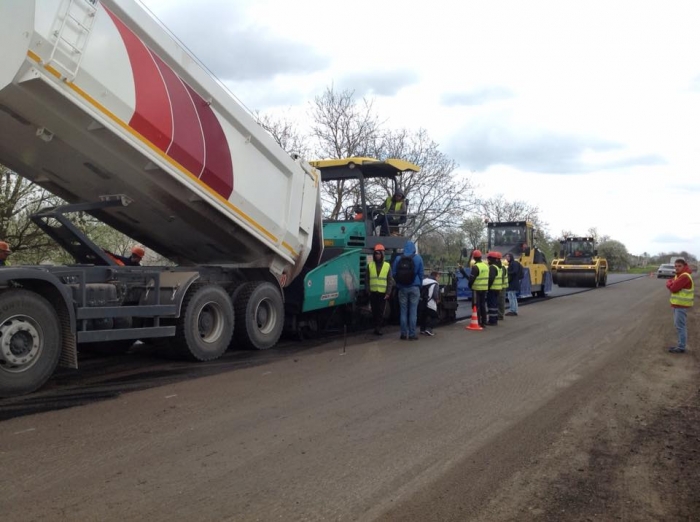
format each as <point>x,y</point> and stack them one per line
<point>137,254</point>
<point>4,253</point>
<point>479,284</point>
<point>393,214</point>
<point>495,286</point>
<point>380,283</point>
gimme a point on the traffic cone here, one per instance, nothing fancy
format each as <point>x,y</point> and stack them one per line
<point>474,324</point>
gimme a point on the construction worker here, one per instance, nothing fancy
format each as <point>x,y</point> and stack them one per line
<point>137,254</point>
<point>495,286</point>
<point>393,215</point>
<point>380,283</point>
<point>682,290</point>
<point>479,284</point>
<point>359,215</point>
<point>430,297</point>
<point>408,274</point>
<point>515,275</point>
<point>4,253</point>
<point>503,267</point>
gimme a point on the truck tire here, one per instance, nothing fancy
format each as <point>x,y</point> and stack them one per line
<point>259,315</point>
<point>205,325</point>
<point>30,342</point>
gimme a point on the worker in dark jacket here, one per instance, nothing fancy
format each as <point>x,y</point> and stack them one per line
<point>134,259</point>
<point>515,276</point>
<point>4,253</point>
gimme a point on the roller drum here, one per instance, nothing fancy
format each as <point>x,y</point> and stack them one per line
<point>583,278</point>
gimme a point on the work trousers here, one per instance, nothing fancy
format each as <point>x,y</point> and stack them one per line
<point>501,304</point>
<point>492,303</point>
<point>480,303</point>
<point>378,305</point>
<point>408,301</point>
<point>428,319</point>
<point>680,316</point>
<point>513,301</point>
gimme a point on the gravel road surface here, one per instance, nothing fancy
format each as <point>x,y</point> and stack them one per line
<point>531,420</point>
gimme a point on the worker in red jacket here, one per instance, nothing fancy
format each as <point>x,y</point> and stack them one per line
<point>682,290</point>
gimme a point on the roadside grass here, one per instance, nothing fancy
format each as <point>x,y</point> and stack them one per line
<point>637,270</point>
<point>642,269</point>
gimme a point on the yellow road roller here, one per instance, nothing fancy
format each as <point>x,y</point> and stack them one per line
<point>580,264</point>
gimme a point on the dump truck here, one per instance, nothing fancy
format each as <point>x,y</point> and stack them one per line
<point>102,106</point>
<point>581,265</point>
<point>517,238</point>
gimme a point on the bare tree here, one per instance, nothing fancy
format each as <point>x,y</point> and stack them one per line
<point>342,127</point>
<point>285,132</point>
<point>19,199</point>
<point>498,209</point>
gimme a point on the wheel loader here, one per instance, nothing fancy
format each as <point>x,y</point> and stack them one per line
<point>517,238</point>
<point>580,264</point>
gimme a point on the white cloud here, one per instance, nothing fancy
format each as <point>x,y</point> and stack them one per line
<point>590,110</point>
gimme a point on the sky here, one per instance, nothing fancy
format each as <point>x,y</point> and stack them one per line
<point>589,110</point>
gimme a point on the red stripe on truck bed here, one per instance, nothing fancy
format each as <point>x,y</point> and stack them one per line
<point>174,118</point>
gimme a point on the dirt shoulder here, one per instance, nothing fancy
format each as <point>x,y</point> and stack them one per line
<point>631,454</point>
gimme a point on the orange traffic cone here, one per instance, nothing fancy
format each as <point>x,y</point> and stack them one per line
<point>474,324</point>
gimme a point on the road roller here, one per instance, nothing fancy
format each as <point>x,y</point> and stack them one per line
<point>580,265</point>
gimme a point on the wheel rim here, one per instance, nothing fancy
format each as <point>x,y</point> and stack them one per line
<point>21,343</point>
<point>265,316</point>
<point>210,322</point>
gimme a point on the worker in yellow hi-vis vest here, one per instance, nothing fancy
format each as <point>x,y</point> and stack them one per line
<point>380,283</point>
<point>682,288</point>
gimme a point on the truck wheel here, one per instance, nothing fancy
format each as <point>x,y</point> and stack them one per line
<point>205,325</point>
<point>259,315</point>
<point>30,342</point>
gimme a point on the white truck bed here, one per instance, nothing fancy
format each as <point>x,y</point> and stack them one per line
<point>96,98</point>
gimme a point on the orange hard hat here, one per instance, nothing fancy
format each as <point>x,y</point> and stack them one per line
<point>4,247</point>
<point>494,255</point>
<point>476,253</point>
<point>379,248</point>
<point>138,251</point>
